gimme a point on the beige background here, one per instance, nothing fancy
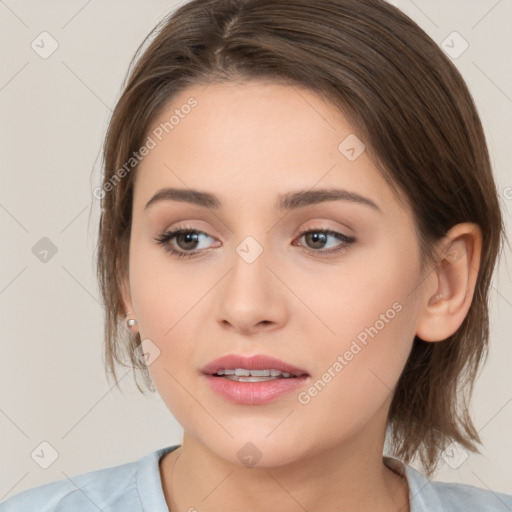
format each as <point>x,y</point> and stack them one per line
<point>54,114</point>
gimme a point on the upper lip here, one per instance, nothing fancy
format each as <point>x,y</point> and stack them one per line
<point>256,362</point>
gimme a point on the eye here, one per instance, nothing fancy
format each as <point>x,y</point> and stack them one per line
<point>317,238</point>
<point>187,240</point>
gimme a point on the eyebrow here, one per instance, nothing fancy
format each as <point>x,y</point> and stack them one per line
<point>288,201</point>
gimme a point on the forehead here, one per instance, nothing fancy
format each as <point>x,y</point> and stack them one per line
<point>252,140</point>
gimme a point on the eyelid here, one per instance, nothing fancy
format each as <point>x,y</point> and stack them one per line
<point>319,226</point>
<point>166,234</point>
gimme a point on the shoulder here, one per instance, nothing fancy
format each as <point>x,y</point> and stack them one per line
<point>107,489</point>
<point>463,497</point>
<point>428,495</point>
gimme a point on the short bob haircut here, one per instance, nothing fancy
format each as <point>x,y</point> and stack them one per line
<point>421,130</point>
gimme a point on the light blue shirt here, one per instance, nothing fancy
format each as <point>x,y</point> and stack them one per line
<point>136,487</point>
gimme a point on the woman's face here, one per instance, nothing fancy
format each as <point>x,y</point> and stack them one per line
<point>344,310</point>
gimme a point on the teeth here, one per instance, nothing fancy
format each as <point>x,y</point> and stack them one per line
<point>260,373</point>
<point>243,372</point>
<point>250,379</point>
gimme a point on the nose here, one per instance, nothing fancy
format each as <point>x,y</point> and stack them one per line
<point>251,297</point>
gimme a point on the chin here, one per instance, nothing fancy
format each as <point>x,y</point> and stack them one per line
<point>256,451</point>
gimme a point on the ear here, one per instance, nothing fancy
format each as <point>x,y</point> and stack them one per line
<point>127,304</point>
<point>451,285</point>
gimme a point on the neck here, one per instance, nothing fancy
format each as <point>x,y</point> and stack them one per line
<point>346,477</point>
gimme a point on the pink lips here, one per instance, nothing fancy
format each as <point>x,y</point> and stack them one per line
<point>253,393</point>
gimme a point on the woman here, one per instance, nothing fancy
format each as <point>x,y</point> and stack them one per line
<point>299,227</point>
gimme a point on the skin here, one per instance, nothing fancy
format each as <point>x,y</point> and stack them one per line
<point>247,143</point>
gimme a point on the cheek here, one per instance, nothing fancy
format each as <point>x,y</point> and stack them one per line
<point>372,317</point>
<point>163,290</point>
<point>358,374</point>
<point>167,297</point>
<point>363,298</point>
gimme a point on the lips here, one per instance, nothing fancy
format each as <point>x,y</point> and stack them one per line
<point>257,362</point>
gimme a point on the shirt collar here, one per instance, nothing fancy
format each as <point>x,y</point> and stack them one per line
<point>422,495</point>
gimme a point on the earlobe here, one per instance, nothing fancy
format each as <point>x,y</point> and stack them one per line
<point>449,291</point>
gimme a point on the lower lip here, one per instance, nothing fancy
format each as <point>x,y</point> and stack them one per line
<point>254,393</point>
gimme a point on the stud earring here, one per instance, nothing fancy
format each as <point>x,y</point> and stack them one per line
<point>130,322</point>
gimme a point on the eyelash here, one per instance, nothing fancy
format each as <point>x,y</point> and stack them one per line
<point>167,236</point>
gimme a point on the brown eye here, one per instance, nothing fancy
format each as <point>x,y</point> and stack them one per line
<point>185,239</point>
<point>317,239</point>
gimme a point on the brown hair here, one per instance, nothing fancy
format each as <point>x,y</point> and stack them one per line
<point>420,127</point>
